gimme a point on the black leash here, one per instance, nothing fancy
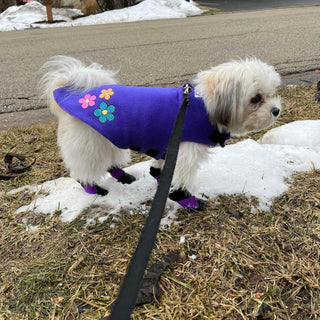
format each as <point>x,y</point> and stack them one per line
<point>13,170</point>
<point>128,292</point>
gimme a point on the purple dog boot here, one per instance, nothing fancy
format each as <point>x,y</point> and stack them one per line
<point>122,176</point>
<point>187,201</point>
<point>90,189</point>
<point>193,203</point>
<point>93,189</point>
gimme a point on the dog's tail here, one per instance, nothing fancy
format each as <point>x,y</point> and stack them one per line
<point>62,71</point>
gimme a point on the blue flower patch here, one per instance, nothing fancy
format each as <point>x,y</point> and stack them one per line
<point>105,112</point>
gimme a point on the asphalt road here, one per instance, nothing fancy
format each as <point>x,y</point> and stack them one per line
<point>241,5</point>
<point>161,52</point>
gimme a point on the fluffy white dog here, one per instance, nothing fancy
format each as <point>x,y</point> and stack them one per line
<point>99,120</point>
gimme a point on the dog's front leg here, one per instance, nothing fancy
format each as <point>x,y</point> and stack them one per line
<point>190,157</point>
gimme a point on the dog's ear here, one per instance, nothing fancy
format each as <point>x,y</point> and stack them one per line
<point>205,82</point>
<point>226,98</point>
<point>221,95</point>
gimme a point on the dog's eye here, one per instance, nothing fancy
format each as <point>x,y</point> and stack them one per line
<point>256,99</point>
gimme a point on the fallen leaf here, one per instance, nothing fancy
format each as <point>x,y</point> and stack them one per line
<point>75,264</point>
<point>57,300</point>
<point>149,286</point>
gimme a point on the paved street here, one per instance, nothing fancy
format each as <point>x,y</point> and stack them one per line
<point>240,5</point>
<point>161,52</point>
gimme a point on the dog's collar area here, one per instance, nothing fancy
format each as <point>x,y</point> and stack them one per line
<point>219,137</point>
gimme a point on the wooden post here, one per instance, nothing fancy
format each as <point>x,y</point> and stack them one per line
<point>49,10</point>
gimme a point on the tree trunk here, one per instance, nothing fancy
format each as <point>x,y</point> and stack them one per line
<point>49,10</point>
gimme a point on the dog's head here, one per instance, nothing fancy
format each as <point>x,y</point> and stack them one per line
<point>240,95</point>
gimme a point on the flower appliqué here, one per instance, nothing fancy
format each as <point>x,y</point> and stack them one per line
<point>105,112</point>
<point>106,94</point>
<point>88,100</point>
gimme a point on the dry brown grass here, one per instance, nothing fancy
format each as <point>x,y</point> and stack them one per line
<point>250,264</point>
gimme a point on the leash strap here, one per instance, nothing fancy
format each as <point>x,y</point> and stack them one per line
<point>13,170</point>
<point>131,284</point>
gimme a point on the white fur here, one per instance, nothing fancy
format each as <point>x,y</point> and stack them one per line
<point>226,89</point>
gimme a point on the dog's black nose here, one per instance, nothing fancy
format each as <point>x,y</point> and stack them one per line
<point>275,111</point>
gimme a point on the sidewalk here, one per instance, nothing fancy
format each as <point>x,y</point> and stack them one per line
<point>245,5</point>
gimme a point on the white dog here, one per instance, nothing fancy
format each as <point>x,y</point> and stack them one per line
<point>99,121</point>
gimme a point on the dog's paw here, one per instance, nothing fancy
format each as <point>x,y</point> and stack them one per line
<point>187,201</point>
<point>202,204</point>
<point>94,189</point>
<point>121,175</point>
<point>193,203</point>
<point>127,178</point>
<point>155,172</point>
<point>101,191</point>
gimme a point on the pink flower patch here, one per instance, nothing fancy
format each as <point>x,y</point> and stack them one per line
<point>87,101</point>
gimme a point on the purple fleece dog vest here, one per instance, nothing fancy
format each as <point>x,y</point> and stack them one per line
<point>140,118</point>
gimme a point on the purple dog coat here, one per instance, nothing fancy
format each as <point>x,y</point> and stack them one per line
<point>140,118</point>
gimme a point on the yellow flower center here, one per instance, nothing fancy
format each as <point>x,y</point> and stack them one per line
<point>104,112</point>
